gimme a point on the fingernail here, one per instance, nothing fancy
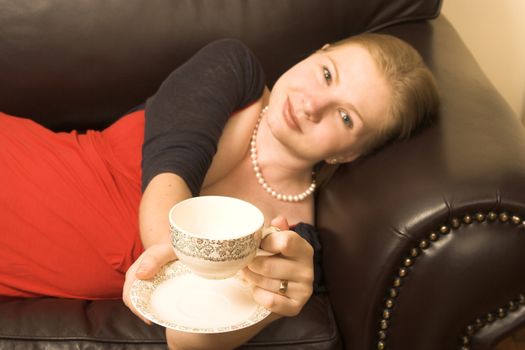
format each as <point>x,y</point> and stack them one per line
<point>142,268</point>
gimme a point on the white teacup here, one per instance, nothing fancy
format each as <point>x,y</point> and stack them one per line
<point>216,236</point>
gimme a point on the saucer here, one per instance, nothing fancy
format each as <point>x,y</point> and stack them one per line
<point>176,298</point>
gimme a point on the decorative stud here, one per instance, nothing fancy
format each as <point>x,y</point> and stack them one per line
<point>470,329</point>
<point>397,282</point>
<point>503,217</point>
<point>424,244</point>
<point>444,229</point>
<point>386,314</point>
<point>479,323</point>
<point>384,324</point>
<point>408,262</point>
<point>512,305</point>
<point>402,272</point>
<point>381,345</point>
<point>516,220</point>
<point>393,292</point>
<point>433,236</point>
<point>382,335</point>
<point>467,219</point>
<point>501,312</point>
<point>480,217</point>
<point>414,252</point>
<point>464,347</point>
<point>455,222</point>
<point>490,317</point>
<point>521,299</point>
<point>389,303</point>
<point>465,340</point>
<point>492,216</point>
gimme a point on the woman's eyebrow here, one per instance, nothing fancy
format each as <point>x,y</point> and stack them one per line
<point>332,62</point>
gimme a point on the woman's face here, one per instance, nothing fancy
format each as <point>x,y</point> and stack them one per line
<point>325,105</point>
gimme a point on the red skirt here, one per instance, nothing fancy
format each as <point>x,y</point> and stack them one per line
<point>68,208</point>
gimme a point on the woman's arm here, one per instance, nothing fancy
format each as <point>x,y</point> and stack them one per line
<point>184,121</point>
<point>186,117</point>
<point>164,191</point>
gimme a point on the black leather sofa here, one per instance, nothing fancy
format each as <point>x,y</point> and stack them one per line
<point>423,241</point>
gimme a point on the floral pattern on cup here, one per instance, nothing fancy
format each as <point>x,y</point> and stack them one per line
<point>214,250</point>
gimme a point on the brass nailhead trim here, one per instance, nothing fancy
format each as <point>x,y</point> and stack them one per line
<point>479,323</point>
<point>397,282</point>
<point>393,292</point>
<point>445,229</point>
<point>403,272</point>
<point>424,244</point>
<point>384,324</point>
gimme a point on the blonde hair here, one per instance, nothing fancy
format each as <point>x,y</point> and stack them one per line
<point>414,92</point>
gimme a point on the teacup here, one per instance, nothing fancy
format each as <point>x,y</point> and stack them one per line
<point>216,236</point>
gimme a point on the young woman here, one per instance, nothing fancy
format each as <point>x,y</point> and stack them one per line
<point>69,224</point>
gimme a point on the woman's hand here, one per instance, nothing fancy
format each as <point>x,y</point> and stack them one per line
<point>292,264</point>
<point>146,266</point>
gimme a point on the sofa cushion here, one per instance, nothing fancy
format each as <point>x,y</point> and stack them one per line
<point>49,323</point>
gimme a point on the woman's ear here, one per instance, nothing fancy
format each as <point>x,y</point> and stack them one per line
<point>342,159</point>
<point>325,46</point>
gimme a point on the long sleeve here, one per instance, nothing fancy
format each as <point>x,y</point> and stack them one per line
<point>186,117</point>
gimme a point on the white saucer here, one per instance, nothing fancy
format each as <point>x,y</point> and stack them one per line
<point>176,298</point>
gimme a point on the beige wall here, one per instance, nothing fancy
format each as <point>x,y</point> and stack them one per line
<point>494,30</point>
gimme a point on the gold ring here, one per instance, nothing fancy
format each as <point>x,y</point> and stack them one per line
<point>283,287</point>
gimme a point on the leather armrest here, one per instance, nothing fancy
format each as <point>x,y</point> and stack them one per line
<point>426,237</point>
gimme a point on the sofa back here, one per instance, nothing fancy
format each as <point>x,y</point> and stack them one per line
<point>81,64</point>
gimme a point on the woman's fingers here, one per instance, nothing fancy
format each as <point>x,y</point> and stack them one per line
<point>153,259</point>
<point>289,244</point>
<point>281,268</point>
<point>146,266</point>
<point>277,303</point>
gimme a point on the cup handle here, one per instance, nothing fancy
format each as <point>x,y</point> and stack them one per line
<point>265,232</point>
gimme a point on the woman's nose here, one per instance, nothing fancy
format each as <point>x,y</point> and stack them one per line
<point>315,106</point>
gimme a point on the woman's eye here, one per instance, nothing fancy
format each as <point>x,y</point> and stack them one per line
<point>327,75</point>
<point>346,119</point>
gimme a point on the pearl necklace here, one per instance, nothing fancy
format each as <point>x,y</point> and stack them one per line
<point>255,164</point>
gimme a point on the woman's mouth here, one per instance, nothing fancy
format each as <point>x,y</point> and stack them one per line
<point>289,116</point>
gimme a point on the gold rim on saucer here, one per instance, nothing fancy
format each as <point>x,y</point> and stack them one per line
<point>176,298</point>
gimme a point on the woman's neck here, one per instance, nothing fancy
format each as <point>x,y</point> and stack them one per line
<point>281,169</point>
